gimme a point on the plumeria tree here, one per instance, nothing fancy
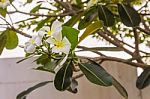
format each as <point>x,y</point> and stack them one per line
<point>59,26</point>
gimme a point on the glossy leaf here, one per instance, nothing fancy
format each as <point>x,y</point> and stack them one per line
<point>11,1</point>
<point>120,88</point>
<point>63,77</point>
<point>3,39</point>
<point>29,1</point>
<point>105,15</point>
<point>3,12</point>
<point>43,59</point>
<point>96,74</point>
<point>89,16</point>
<point>12,39</point>
<point>91,29</point>
<point>35,9</point>
<point>129,16</point>
<point>73,20</point>
<point>47,63</point>
<point>72,35</point>
<point>23,95</point>
<point>144,79</point>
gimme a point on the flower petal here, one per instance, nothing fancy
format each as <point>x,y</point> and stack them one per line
<point>56,50</point>
<point>38,40</point>
<point>66,41</point>
<point>56,31</point>
<point>66,49</point>
<point>51,40</point>
<point>29,48</point>
<point>58,36</point>
<point>4,4</point>
<point>43,31</point>
<point>56,24</point>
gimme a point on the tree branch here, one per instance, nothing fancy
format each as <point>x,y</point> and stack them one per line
<point>20,32</point>
<point>115,43</point>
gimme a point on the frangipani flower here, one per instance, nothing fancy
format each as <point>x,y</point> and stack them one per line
<point>4,3</point>
<point>60,44</point>
<point>91,3</point>
<point>55,28</point>
<point>32,43</point>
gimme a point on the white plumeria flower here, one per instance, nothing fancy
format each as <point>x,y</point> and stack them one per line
<point>91,3</point>
<point>60,44</point>
<point>55,28</point>
<point>32,43</point>
<point>4,3</point>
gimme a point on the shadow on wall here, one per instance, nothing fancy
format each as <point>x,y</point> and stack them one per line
<point>15,78</point>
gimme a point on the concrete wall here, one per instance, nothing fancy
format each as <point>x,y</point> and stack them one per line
<point>15,78</point>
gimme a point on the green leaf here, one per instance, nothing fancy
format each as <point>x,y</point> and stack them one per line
<point>29,1</point>
<point>89,16</point>
<point>43,59</point>
<point>72,35</point>
<point>12,39</point>
<point>106,15</point>
<point>35,9</point>
<point>73,20</point>
<point>3,12</point>
<point>24,94</point>
<point>144,79</point>
<point>49,66</point>
<point>3,39</point>
<point>91,29</point>
<point>47,63</point>
<point>120,88</point>
<point>129,16</point>
<point>96,74</point>
<point>63,77</point>
<point>11,1</point>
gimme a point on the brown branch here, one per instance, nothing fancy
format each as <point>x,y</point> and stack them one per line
<point>116,39</point>
<point>20,32</point>
<point>109,58</point>
<point>115,43</point>
<point>136,52</point>
<point>143,30</point>
<point>70,13</point>
<point>106,58</point>
<point>78,76</point>
<point>96,52</point>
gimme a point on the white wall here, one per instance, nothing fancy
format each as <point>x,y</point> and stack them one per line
<point>15,78</point>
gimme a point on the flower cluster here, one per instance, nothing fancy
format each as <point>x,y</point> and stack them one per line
<point>57,42</point>
<point>4,3</point>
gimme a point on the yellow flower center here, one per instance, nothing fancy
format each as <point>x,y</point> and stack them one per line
<point>59,44</point>
<point>49,33</point>
<point>3,1</point>
<point>32,41</point>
